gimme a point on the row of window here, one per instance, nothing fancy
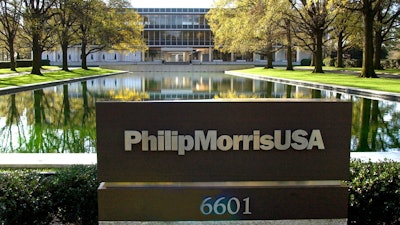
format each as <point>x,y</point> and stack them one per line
<point>183,27</point>
<point>172,10</point>
<point>174,20</point>
<point>178,37</point>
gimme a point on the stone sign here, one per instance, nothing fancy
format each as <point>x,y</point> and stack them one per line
<point>231,160</point>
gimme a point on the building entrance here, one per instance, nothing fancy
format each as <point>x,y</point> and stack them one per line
<point>177,54</point>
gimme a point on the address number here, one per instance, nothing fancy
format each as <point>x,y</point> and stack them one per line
<point>225,205</point>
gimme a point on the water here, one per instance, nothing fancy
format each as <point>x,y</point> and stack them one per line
<point>61,119</point>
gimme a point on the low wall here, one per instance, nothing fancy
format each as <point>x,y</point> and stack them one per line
<point>178,68</point>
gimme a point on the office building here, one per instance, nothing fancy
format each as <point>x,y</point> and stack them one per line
<point>173,35</point>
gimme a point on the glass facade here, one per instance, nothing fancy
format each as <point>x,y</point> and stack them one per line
<point>176,28</point>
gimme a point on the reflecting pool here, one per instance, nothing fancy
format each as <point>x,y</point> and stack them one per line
<point>61,119</point>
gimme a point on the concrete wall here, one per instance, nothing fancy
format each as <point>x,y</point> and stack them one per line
<point>178,68</point>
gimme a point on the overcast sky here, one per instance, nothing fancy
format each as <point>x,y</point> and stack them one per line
<point>172,3</point>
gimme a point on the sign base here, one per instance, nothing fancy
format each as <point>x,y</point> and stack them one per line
<point>248,222</point>
<point>230,201</point>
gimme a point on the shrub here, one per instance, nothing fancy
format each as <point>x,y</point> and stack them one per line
<point>66,195</point>
<point>69,196</point>
<point>329,61</point>
<point>23,63</point>
<point>75,195</point>
<point>374,193</point>
<point>352,62</point>
<point>391,63</point>
<point>305,62</point>
<point>25,198</point>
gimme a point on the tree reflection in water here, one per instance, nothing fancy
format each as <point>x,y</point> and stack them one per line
<point>376,125</point>
<point>45,122</point>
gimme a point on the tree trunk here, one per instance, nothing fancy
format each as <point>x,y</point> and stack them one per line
<point>13,65</point>
<point>339,56</point>
<point>374,124</point>
<point>86,108</point>
<point>365,114</point>
<point>289,65</point>
<point>64,48</point>
<point>67,105</point>
<point>367,69</point>
<point>318,53</point>
<point>37,55</point>
<point>83,56</point>
<point>37,106</point>
<point>269,56</point>
<point>378,50</point>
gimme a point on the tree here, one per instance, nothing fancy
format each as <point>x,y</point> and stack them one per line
<point>227,28</point>
<point>89,22</point>
<point>39,29</point>
<point>387,17</point>
<point>66,18</point>
<point>368,9</point>
<point>111,26</point>
<point>10,17</point>
<point>126,27</point>
<point>242,26</point>
<point>285,10</point>
<point>312,19</point>
<point>346,32</point>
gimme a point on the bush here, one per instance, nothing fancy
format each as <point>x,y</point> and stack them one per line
<point>353,63</point>
<point>23,63</point>
<point>391,63</point>
<point>374,193</point>
<point>25,198</point>
<point>305,62</point>
<point>329,61</point>
<point>66,195</point>
<point>76,195</point>
<point>69,196</point>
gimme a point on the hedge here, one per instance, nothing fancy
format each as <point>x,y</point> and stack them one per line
<point>66,196</point>
<point>23,63</point>
<point>69,195</point>
<point>374,193</point>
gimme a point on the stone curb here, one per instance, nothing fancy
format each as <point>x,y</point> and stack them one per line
<point>27,87</point>
<point>342,89</point>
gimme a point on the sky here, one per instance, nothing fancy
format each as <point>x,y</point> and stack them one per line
<point>172,3</point>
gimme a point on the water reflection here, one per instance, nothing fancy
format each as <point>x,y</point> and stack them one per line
<point>61,119</point>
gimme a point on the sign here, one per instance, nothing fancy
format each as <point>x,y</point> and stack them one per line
<point>223,160</point>
<point>223,141</point>
<point>236,202</point>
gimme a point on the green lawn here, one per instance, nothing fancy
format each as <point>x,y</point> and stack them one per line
<point>381,84</point>
<point>57,75</point>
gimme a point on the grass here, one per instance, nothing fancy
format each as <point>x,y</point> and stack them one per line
<point>380,84</point>
<point>57,75</point>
